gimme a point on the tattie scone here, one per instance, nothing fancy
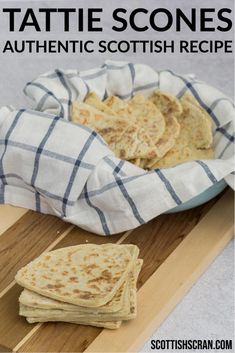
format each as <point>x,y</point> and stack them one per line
<point>195,138</point>
<point>171,108</point>
<point>125,138</point>
<point>70,274</point>
<point>160,131</point>
<point>85,284</point>
<point>127,311</point>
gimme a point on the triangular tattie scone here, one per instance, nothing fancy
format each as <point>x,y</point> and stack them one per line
<point>125,138</point>
<point>94,101</point>
<point>148,116</point>
<point>86,275</point>
<point>195,139</point>
<point>197,123</point>
<point>166,103</point>
<point>35,300</point>
<point>120,107</point>
<point>171,108</point>
<point>156,132</point>
<point>144,113</point>
<point>38,301</point>
<point>112,325</point>
<point>127,312</point>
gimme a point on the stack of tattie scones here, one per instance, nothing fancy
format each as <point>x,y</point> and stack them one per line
<point>156,132</point>
<point>86,284</point>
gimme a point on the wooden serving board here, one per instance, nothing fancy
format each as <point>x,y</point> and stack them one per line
<point>176,249</point>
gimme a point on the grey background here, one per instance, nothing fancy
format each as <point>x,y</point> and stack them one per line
<point>207,310</point>
<point>17,69</point>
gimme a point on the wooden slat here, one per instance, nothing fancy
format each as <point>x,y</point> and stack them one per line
<point>158,238</point>
<point>4,349</point>
<point>9,215</point>
<point>24,241</point>
<point>162,236</point>
<point>9,308</point>
<point>167,286</point>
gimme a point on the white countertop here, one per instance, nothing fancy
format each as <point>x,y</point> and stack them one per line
<point>207,310</point>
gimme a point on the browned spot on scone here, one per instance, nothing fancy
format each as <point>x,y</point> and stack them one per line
<point>132,309</point>
<point>73,279</point>
<point>45,277</point>
<point>59,285</point>
<point>94,286</point>
<point>77,291</point>
<point>86,296</point>
<point>106,274</point>
<point>50,286</point>
<point>84,112</point>
<point>55,286</point>
<point>122,153</point>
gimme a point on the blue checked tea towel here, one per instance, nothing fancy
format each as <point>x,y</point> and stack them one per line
<point>53,166</point>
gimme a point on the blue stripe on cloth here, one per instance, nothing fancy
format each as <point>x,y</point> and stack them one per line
<point>226,134</point>
<point>105,96</point>
<point>67,88</point>
<point>38,189</point>
<point>225,148</point>
<point>107,187</point>
<point>52,196</point>
<point>40,149</point>
<point>37,159</point>
<point>113,184</point>
<point>190,85</point>
<point>94,75</point>
<point>129,200</point>
<point>99,212</point>
<point>147,86</point>
<point>78,126</point>
<point>42,102</point>
<point>120,183</point>
<point>185,89</point>
<point>47,153</point>
<point>132,72</point>
<point>6,142</point>
<point>118,169</point>
<point>37,202</point>
<point>87,88</point>
<point>68,75</point>
<point>62,100</point>
<point>41,114</point>
<point>114,67</point>
<point>113,165</point>
<point>140,88</point>
<point>168,187</point>
<point>50,94</point>
<point>182,92</point>
<point>75,169</point>
<point>207,171</point>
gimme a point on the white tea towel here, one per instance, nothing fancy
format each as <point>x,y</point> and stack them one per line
<point>53,166</point>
